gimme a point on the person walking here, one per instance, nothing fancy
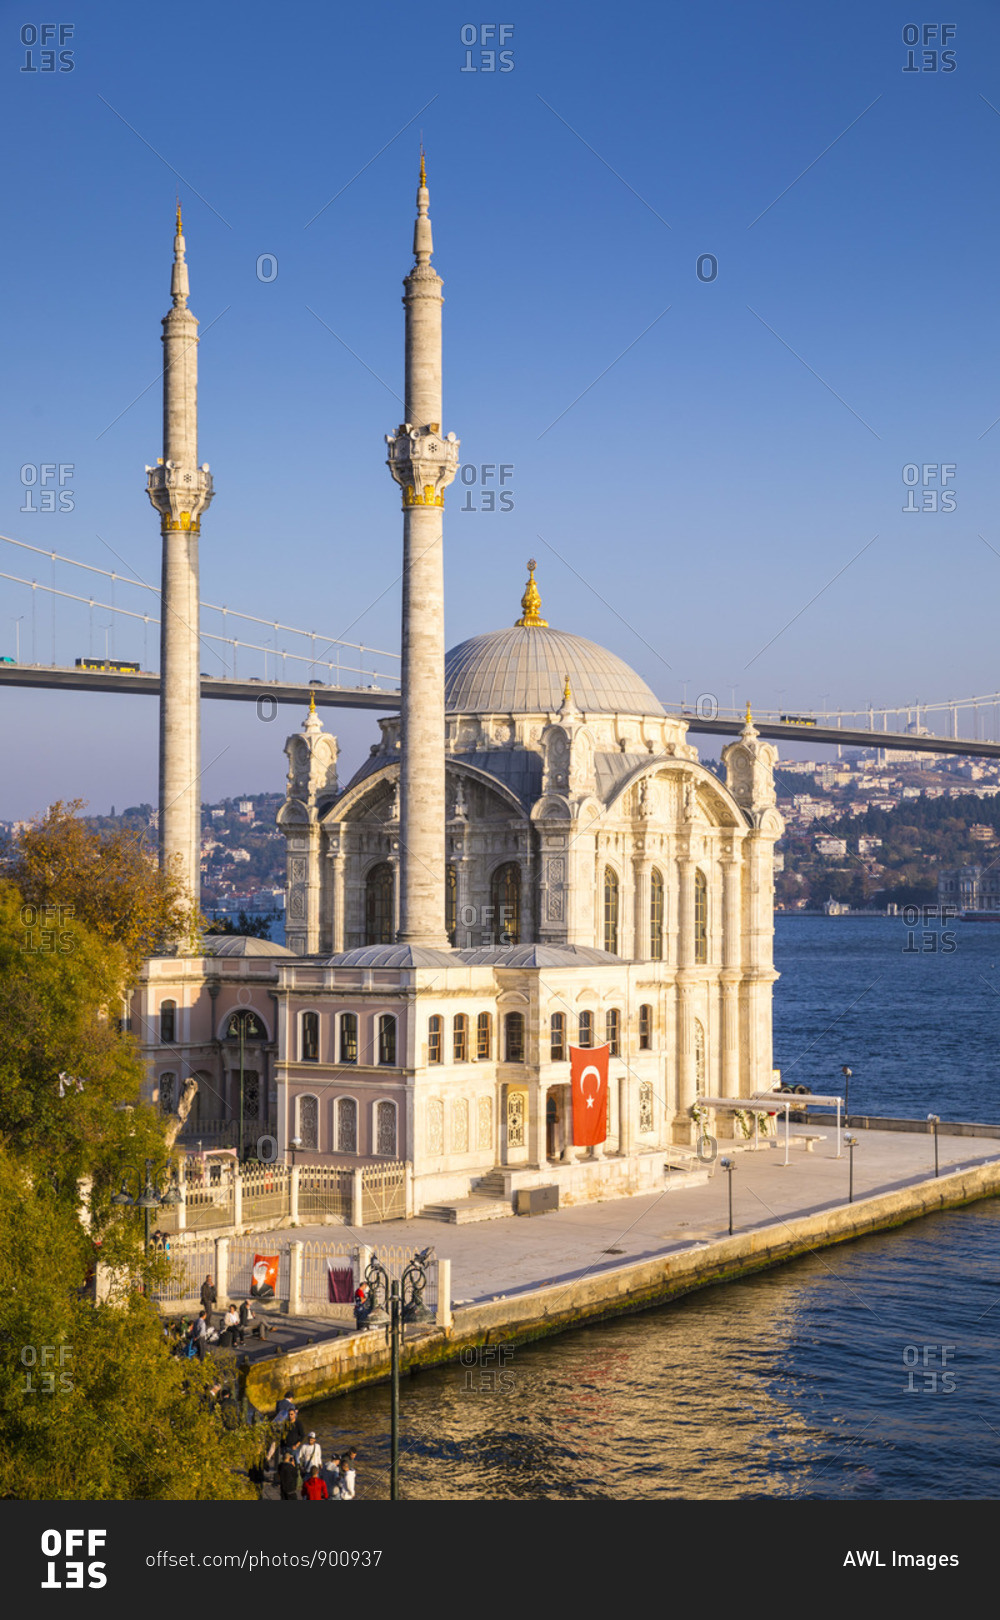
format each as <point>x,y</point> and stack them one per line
<point>208,1299</point>
<point>310,1454</point>
<point>288,1478</point>
<point>314,1488</point>
<point>199,1335</point>
<point>347,1477</point>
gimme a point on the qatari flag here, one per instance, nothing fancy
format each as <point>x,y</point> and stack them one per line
<point>589,1079</point>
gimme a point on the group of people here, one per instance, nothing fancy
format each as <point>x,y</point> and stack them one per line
<point>300,1469</point>
<point>192,1338</point>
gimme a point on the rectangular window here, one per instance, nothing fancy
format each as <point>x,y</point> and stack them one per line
<point>461,1036</point>
<point>168,1023</point>
<point>484,1036</point>
<point>387,1039</point>
<point>645,1028</point>
<point>514,1037</point>
<point>310,1037</point>
<point>586,1029</point>
<point>557,1047</point>
<point>435,1044</point>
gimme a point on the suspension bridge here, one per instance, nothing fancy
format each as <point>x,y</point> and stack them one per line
<point>246,664</point>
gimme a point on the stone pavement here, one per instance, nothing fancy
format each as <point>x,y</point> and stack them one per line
<point>492,1259</point>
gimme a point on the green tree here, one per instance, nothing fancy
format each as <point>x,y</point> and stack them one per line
<point>92,1405</point>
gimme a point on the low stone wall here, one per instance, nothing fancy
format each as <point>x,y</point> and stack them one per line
<point>947,1127</point>
<point>363,1358</point>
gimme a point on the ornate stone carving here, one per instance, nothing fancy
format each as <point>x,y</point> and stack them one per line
<point>422,462</point>
<point>179,494</point>
<point>435,1127</point>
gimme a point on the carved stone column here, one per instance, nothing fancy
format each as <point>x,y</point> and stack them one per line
<point>641,866</point>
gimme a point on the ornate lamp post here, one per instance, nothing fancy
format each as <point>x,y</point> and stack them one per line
<point>729,1166</point>
<point>243,1026</point>
<point>934,1121</point>
<point>852,1143</point>
<point>148,1198</point>
<point>400,1302</point>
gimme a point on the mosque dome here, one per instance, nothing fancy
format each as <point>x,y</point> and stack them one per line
<point>524,670</point>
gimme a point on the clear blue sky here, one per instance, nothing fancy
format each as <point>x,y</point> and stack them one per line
<point>684,509</point>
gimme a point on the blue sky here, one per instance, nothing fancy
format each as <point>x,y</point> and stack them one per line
<point>686,480</point>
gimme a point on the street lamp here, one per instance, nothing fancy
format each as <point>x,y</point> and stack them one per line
<point>934,1121</point>
<point>729,1166</point>
<point>403,1299</point>
<point>846,1072</point>
<point>852,1143</point>
<point>295,1144</point>
<point>148,1198</point>
<point>243,1026</point>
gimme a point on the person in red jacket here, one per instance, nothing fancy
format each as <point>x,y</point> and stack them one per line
<point>314,1489</point>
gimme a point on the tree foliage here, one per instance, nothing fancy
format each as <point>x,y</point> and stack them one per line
<point>110,881</point>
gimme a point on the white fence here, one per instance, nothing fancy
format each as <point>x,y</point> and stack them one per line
<point>219,1194</point>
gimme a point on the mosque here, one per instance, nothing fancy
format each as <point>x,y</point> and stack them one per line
<point>530,858</point>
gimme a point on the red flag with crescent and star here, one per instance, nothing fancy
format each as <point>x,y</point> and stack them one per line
<point>589,1080</point>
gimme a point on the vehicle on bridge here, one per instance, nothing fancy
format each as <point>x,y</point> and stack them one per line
<point>6,660</point>
<point>797,719</point>
<point>114,665</point>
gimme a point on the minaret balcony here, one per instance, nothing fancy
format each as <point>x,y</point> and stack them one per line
<point>180,494</point>
<point>423,461</point>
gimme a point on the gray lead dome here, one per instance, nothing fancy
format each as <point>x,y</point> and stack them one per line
<point>523,670</point>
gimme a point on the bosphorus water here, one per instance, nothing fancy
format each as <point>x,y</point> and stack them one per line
<point>865,1371</point>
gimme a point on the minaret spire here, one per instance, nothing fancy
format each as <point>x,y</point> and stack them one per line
<point>180,491</point>
<point>423,462</point>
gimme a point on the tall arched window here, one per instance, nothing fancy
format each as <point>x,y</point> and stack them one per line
<point>484,1036</point>
<point>379,905</point>
<point>307,1121</point>
<point>460,1038</point>
<point>557,1043</point>
<point>347,1125</point>
<point>451,903</point>
<point>168,1023</point>
<point>586,1036</point>
<point>348,1037</point>
<point>700,917</point>
<point>506,897</point>
<point>435,1039</point>
<point>385,1129</point>
<point>513,1037</point>
<point>387,1039</point>
<point>309,1038</point>
<point>611,910</point>
<point>645,1027</point>
<point>168,1092</point>
<point>656,915</point>
<point>613,1031</point>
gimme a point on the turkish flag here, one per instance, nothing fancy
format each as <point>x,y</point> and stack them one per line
<point>589,1080</point>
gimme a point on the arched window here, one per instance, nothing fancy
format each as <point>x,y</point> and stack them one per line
<point>645,1105</point>
<point>557,1042</point>
<point>348,1037</point>
<point>645,1027</point>
<point>586,1036</point>
<point>168,1093</point>
<point>347,1125</point>
<point>484,1036</point>
<point>168,1023</point>
<point>307,1122</point>
<point>380,927</point>
<point>656,915</point>
<point>387,1039</point>
<point>506,897</point>
<point>385,1129</point>
<point>451,903</point>
<point>460,1035</point>
<point>611,910</point>
<point>613,1031</point>
<point>513,1037</point>
<point>309,1038</point>
<point>435,1039</point>
<point>700,917</point>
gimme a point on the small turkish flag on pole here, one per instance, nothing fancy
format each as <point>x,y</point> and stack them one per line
<point>589,1080</point>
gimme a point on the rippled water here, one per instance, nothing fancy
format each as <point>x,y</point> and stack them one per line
<point>866,1371</point>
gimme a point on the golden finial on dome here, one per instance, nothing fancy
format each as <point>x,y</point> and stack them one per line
<point>180,227</point>
<point>749,719</point>
<point>568,691</point>
<point>531,602</point>
<point>312,702</point>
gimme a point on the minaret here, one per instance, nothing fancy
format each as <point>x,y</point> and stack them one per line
<point>423,463</point>
<point>180,490</point>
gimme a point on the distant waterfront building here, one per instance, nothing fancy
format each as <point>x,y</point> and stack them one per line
<point>970,888</point>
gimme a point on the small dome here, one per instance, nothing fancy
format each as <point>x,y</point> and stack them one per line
<point>242,945</point>
<point>523,670</point>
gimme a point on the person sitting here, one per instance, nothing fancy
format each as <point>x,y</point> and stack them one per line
<point>314,1488</point>
<point>246,1317</point>
<point>230,1326</point>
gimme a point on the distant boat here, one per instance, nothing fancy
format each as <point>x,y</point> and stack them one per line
<point>979,916</point>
